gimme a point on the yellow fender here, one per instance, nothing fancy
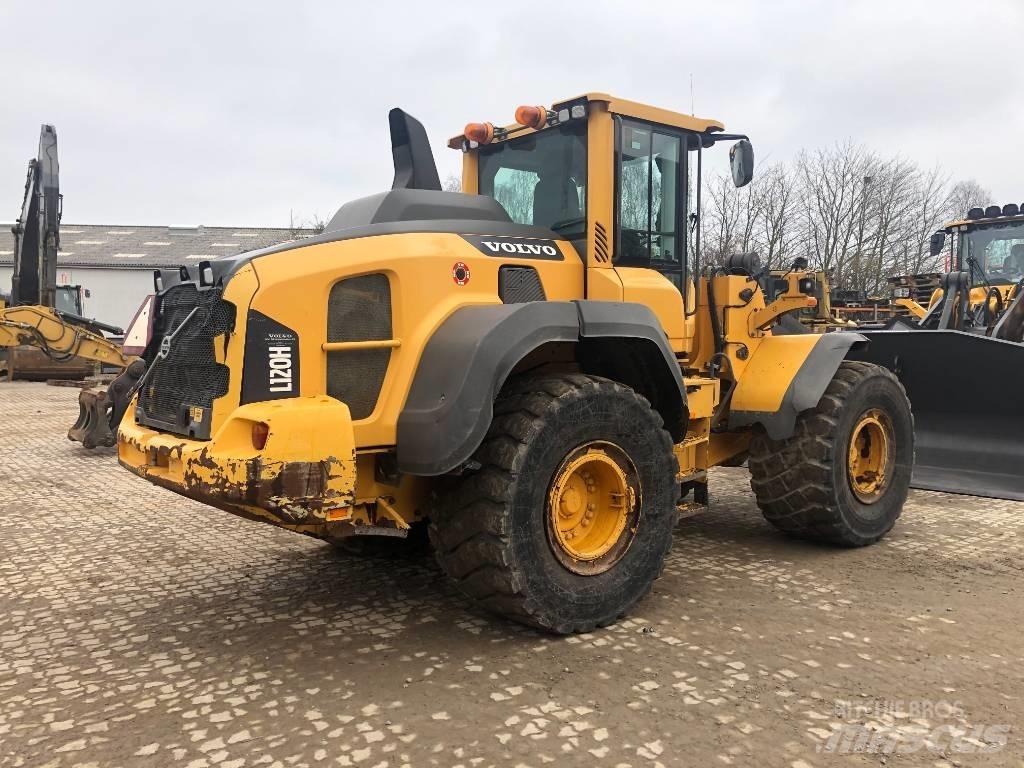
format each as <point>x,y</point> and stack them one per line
<point>787,375</point>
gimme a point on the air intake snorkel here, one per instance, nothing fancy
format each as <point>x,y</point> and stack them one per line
<point>410,150</point>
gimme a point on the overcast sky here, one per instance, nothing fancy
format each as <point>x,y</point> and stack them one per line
<point>224,113</point>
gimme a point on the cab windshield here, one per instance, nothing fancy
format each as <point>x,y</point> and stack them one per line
<point>67,299</point>
<point>998,249</point>
<point>540,178</point>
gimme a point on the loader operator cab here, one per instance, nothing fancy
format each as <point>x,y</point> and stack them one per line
<point>991,247</point>
<point>540,168</point>
<point>986,253</point>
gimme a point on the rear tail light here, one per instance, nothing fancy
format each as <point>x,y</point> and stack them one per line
<point>260,433</point>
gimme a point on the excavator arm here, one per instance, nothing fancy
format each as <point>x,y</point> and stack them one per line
<point>45,329</point>
<point>59,339</point>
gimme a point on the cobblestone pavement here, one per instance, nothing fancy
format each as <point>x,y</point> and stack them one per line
<point>139,628</point>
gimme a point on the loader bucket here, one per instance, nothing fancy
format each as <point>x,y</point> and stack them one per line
<point>967,395</point>
<point>92,429</point>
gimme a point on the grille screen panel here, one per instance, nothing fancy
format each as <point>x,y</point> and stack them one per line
<point>190,374</point>
<point>601,243</point>
<point>359,309</point>
<point>518,285</point>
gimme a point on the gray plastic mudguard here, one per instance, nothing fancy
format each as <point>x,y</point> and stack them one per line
<point>469,357</point>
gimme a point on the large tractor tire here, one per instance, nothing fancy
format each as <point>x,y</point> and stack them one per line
<point>567,520</point>
<point>844,475</point>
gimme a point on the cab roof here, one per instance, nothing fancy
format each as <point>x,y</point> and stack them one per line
<point>1019,219</point>
<point>627,108</point>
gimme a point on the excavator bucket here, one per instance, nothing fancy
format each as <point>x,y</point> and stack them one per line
<point>967,395</point>
<point>92,429</point>
<point>101,410</point>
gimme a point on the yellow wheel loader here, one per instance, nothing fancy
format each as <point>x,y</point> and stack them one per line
<point>538,367</point>
<point>960,357</point>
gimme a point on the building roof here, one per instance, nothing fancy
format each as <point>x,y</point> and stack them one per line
<point>131,247</point>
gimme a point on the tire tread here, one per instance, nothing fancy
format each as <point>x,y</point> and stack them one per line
<point>469,528</point>
<point>793,479</point>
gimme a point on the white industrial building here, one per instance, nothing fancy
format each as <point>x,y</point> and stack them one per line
<point>114,265</point>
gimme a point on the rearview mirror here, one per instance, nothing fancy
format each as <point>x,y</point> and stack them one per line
<point>741,161</point>
<point>936,242</point>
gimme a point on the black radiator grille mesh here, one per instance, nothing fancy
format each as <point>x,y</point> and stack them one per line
<point>518,285</point>
<point>190,375</point>
<point>359,309</point>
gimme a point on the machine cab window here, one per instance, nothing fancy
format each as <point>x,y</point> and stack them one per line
<point>540,178</point>
<point>994,252</point>
<point>651,199</point>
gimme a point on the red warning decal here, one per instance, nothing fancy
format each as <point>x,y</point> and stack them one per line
<point>460,273</point>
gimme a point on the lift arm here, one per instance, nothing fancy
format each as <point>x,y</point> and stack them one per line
<point>793,298</point>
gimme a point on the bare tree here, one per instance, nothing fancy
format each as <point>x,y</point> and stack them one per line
<point>834,186</point>
<point>452,183</point>
<point>779,230</point>
<point>967,194</point>
<point>849,211</point>
<point>930,210</point>
<point>892,196</point>
<point>301,225</point>
<point>723,224</point>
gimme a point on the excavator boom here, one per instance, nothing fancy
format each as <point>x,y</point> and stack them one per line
<point>32,318</point>
<point>37,230</point>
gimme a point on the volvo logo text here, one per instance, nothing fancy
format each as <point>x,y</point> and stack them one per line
<point>526,249</point>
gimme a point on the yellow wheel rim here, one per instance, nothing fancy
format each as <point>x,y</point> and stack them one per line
<point>870,456</point>
<point>593,507</point>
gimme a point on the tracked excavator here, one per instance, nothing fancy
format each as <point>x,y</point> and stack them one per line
<point>31,318</point>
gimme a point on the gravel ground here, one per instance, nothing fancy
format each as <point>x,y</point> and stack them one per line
<point>139,628</point>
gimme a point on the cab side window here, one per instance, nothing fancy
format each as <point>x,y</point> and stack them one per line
<point>650,191</point>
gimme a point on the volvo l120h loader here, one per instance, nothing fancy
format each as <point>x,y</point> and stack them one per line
<point>538,366</point>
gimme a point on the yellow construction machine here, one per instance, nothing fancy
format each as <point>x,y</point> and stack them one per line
<point>819,316</point>
<point>911,295</point>
<point>960,356</point>
<point>31,318</point>
<point>539,367</point>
